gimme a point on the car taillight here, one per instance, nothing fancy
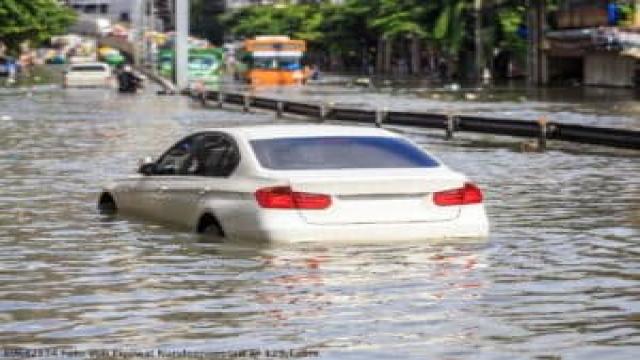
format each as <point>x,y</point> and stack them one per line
<point>467,195</point>
<point>282,197</point>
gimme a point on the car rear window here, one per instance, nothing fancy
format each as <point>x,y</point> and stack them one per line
<point>88,68</point>
<point>342,152</point>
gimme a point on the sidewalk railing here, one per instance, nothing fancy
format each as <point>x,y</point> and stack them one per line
<point>542,130</point>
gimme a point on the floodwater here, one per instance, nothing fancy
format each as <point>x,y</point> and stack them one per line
<point>559,277</point>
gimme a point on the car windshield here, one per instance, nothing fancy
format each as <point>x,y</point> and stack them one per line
<point>341,152</point>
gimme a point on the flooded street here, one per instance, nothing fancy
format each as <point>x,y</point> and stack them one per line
<point>559,277</point>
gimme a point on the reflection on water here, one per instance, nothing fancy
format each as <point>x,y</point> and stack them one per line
<point>558,277</point>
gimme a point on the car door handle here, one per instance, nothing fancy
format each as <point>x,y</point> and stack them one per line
<point>204,190</point>
<point>163,188</point>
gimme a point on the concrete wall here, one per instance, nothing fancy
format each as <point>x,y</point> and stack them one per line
<point>609,69</point>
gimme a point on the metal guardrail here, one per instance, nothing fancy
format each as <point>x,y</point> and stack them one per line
<point>542,130</point>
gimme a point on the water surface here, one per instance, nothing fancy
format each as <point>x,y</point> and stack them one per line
<point>558,278</point>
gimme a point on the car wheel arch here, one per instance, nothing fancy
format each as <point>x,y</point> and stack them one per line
<point>107,203</point>
<point>208,223</point>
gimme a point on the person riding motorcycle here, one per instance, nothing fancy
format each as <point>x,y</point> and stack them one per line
<point>128,80</point>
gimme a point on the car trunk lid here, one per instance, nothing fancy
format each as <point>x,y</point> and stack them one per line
<point>380,199</point>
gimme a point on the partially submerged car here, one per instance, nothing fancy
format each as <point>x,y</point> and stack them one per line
<point>294,183</point>
<point>88,75</point>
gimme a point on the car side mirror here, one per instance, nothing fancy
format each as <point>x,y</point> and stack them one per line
<point>147,166</point>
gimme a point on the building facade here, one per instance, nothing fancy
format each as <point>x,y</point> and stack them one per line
<point>591,42</point>
<point>114,10</point>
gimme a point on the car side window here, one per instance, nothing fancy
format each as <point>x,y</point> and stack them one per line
<point>216,155</point>
<point>178,160</point>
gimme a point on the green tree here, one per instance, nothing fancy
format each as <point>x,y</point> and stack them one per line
<point>354,27</point>
<point>32,20</point>
<point>403,17</point>
<point>205,22</point>
<point>293,20</point>
<point>450,28</point>
<point>346,29</point>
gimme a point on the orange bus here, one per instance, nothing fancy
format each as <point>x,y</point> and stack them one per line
<point>273,60</point>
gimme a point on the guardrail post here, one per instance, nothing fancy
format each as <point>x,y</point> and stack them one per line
<point>220,99</point>
<point>203,98</point>
<point>279,109</point>
<point>542,135</point>
<point>452,125</point>
<point>246,103</point>
<point>324,111</point>
<point>381,116</point>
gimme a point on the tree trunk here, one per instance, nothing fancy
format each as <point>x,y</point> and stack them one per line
<point>416,56</point>
<point>536,58</point>
<point>479,45</point>
<point>380,55</point>
<point>388,52</point>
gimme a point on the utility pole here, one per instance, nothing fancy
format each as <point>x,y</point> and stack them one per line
<point>137,20</point>
<point>152,44</point>
<point>182,44</point>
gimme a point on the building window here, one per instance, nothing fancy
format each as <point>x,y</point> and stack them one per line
<point>104,8</point>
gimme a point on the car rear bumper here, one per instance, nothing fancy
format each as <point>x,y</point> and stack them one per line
<point>291,228</point>
<point>94,83</point>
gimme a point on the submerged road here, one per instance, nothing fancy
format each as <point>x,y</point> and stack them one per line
<point>558,278</point>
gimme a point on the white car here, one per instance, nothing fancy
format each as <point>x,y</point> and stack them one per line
<point>295,183</point>
<point>88,75</point>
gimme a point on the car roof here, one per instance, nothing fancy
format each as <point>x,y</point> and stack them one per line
<point>304,130</point>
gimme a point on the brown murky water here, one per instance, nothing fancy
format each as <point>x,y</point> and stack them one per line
<point>558,278</point>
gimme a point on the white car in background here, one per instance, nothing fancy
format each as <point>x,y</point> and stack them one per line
<point>93,74</point>
<point>294,183</point>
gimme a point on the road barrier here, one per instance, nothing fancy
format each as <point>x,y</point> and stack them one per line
<point>542,130</point>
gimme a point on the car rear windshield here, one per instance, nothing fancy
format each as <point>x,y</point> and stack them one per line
<point>88,68</point>
<point>343,152</point>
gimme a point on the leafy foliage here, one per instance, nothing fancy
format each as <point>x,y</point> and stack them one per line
<point>34,20</point>
<point>357,24</point>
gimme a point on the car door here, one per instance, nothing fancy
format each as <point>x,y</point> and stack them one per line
<point>207,183</point>
<point>204,163</point>
<point>151,197</point>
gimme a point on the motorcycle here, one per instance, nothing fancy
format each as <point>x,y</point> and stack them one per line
<point>129,81</point>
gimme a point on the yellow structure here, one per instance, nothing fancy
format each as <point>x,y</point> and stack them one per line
<point>274,60</point>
